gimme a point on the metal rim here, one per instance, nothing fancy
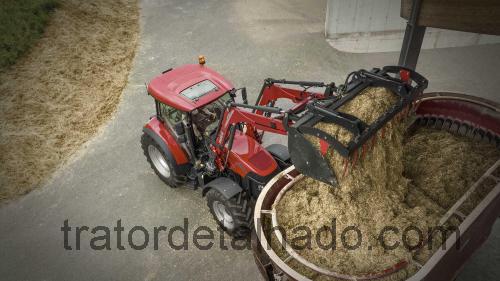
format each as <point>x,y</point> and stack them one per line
<point>462,97</point>
<point>159,160</point>
<point>223,215</point>
<point>258,216</point>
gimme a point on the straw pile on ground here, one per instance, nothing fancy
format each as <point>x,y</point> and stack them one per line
<point>375,195</point>
<point>56,96</point>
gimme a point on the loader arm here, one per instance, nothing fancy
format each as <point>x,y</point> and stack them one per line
<point>235,115</point>
<point>273,89</point>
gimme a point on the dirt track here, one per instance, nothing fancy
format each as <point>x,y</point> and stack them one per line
<point>56,97</point>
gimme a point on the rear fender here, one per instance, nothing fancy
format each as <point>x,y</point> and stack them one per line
<point>172,150</point>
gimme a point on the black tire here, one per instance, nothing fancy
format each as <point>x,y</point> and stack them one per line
<point>238,208</point>
<point>153,153</point>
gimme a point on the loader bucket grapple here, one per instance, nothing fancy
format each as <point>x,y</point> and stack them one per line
<point>311,161</point>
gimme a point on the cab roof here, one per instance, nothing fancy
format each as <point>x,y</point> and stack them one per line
<point>168,86</point>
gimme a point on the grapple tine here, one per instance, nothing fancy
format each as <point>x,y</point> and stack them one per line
<point>345,171</point>
<point>401,115</point>
<point>355,158</point>
<point>373,141</point>
<point>406,111</point>
<point>364,148</point>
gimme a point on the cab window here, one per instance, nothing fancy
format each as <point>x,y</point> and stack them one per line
<point>199,89</point>
<point>169,114</point>
<point>223,99</point>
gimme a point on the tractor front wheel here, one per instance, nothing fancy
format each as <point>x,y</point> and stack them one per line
<point>160,163</point>
<point>234,215</point>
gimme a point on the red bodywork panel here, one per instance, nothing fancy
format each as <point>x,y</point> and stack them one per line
<point>247,155</point>
<point>178,152</point>
<point>167,87</point>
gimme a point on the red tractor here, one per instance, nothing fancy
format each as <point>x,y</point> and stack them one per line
<point>201,136</point>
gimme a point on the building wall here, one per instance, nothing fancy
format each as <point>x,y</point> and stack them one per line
<point>361,26</point>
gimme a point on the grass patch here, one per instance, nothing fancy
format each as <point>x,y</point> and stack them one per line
<point>21,22</point>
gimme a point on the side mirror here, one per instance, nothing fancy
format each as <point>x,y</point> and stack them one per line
<point>232,93</point>
<point>244,95</point>
<point>179,128</point>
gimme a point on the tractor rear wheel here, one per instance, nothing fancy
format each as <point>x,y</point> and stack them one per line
<point>234,215</point>
<point>160,163</point>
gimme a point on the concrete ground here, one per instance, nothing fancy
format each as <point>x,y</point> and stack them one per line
<point>109,180</point>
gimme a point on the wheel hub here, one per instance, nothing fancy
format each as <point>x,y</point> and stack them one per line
<point>223,215</point>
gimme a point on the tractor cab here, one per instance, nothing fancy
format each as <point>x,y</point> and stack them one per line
<point>193,89</point>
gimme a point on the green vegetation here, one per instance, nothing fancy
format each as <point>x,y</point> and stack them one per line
<point>21,22</point>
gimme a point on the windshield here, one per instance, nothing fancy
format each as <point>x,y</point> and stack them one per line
<point>217,107</point>
<point>223,99</point>
<point>205,118</point>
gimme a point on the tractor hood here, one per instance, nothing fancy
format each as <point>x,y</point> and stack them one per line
<point>173,85</point>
